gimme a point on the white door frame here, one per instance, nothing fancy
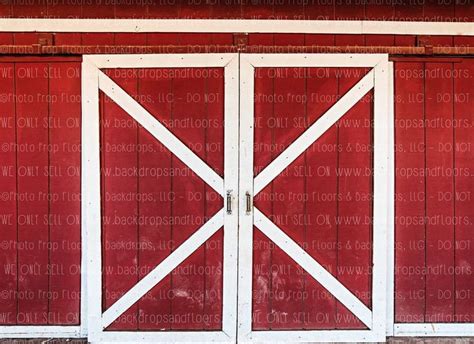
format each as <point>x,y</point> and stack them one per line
<point>93,80</point>
<point>377,79</point>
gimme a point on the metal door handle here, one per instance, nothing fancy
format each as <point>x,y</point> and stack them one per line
<point>248,209</point>
<point>229,202</point>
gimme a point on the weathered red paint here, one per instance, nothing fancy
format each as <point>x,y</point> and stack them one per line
<point>421,94</point>
<point>439,94</point>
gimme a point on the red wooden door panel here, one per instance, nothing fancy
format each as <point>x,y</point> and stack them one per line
<point>166,247</point>
<point>463,146</point>
<point>311,130</point>
<point>433,271</point>
<point>317,200</point>
<point>40,184</point>
<point>65,193</point>
<point>8,185</point>
<point>169,201</point>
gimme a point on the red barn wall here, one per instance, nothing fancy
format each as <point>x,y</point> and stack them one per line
<point>40,155</point>
<point>431,10</point>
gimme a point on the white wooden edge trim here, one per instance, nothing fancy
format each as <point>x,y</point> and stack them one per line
<point>434,329</point>
<point>381,196</point>
<point>246,130</point>
<point>314,60</point>
<point>165,337</point>
<point>164,268</point>
<point>391,206</point>
<point>316,270</point>
<point>313,336</point>
<point>91,207</point>
<point>161,133</point>
<point>357,27</point>
<point>89,87</point>
<point>161,60</point>
<point>231,184</point>
<point>51,331</point>
<point>311,134</point>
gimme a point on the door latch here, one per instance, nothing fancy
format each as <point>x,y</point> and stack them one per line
<point>229,202</point>
<point>248,209</point>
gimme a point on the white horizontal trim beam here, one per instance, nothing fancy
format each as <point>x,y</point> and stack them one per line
<point>40,331</point>
<point>164,268</point>
<point>357,27</point>
<point>312,267</point>
<point>161,133</point>
<point>314,60</point>
<point>434,329</point>
<point>314,132</point>
<point>165,337</point>
<point>310,336</point>
<point>160,60</point>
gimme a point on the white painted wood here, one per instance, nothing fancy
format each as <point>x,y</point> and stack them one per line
<point>391,206</point>
<point>312,267</point>
<point>90,188</point>
<point>163,269</point>
<point>417,28</point>
<point>314,132</point>
<point>165,337</point>
<point>231,184</point>
<point>89,82</point>
<point>246,185</point>
<point>312,336</point>
<point>40,331</point>
<point>382,133</point>
<point>161,60</point>
<point>435,330</point>
<point>319,60</point>
<point>351,27</point>
<point>161,133</point>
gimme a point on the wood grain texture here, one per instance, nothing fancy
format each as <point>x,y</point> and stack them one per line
<point>410,193</point>
<point>285,296</point>
<point>8,203</point>
<point>433,165</point>
<point>32,167</point>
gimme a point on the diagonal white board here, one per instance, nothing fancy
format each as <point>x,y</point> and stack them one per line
<point>161,133</point>
<point>317,129</point>
<point>163,269</point>
<point>316,270</point>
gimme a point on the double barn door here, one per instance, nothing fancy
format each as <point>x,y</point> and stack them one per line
<point>236,197</point>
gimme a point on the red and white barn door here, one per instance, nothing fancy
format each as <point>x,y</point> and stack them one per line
<point>160,153</point>
<point>195,234</point>
<point>315,132</point>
